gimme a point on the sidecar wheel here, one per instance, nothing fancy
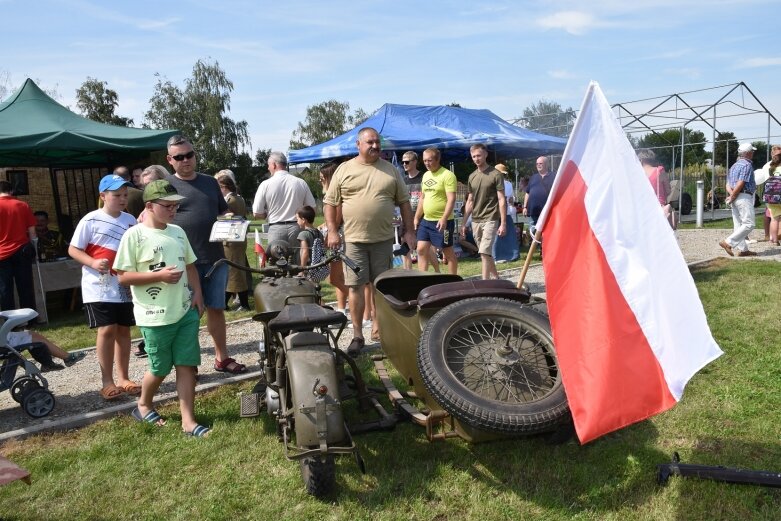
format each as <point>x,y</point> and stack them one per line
<point>319,475</point>
<point>490,362</point>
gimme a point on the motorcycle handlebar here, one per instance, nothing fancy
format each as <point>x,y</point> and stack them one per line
<point>283,268</point>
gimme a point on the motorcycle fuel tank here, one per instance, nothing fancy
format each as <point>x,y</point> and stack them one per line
<point>271,293</point>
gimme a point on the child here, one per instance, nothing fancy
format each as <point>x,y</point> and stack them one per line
<point>107,304</point>
<point>156,260</point>
<point>305,217</point>
<point>311,250</point>
<point>42,349</point>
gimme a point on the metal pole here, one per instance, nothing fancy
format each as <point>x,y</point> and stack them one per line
<point>683,177</point>
<point>713,172</point>
<point>700,201</point>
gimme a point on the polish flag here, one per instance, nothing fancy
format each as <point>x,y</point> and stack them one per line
<point>259,251</point>
<point>627,322</point>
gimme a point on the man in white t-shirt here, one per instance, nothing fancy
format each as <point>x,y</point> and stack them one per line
<point>277,200</point>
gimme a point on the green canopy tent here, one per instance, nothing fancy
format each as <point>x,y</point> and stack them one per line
<point>36,131</point>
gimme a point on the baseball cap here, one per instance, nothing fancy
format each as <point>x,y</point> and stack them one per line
<point>502,168</point>
<point>746,147</point>
<point>161,190</point>
<point>111,182</point>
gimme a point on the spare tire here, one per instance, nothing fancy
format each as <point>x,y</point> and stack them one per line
<point>490,363</point>
<point>686,204</point>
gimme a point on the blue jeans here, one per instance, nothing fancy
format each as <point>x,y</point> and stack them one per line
<point>16,269</point>
<point>213,288</point>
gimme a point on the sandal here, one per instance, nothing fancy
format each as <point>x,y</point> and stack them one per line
<point>152,417</point>
<point>355,347</point>
<point>229,365</point>
<point>199,431</point>
<point>131,388</point>
<point>111,392</point>
<point>375,336</point>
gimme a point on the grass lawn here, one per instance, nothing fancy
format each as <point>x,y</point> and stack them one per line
<point>118,469</point>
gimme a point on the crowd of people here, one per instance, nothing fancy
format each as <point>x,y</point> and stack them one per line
<point>145,265</point>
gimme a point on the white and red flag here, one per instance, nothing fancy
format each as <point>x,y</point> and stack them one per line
<point>628,324</point>
<point>259,251</point>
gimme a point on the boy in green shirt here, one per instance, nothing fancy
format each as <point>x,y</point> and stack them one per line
<point>155,259</point>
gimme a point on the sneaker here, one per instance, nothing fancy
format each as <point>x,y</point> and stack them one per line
<point>355,347</point>
<point>45,368</point>
<point>747,253</point>
<point>367,323</point>
<point>140,351</point>
<point>240,309</point>
<point>73,358</point>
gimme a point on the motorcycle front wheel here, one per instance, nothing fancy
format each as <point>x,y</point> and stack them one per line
<point>318,474</point>
<point>490,362</point>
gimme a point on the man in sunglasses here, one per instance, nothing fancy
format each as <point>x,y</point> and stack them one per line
<point>202,204</point>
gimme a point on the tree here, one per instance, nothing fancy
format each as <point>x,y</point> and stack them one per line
<point>325,121</point>
<point>725,141</point>
<point>199,111</point>
<point>98,103</point>
<point>547,117</point>
<point>667,145</point>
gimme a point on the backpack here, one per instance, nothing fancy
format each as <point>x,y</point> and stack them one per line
<point>772,194</point>
<point>318,255</point>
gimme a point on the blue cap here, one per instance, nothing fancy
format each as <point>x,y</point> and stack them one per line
<point>112,182</point>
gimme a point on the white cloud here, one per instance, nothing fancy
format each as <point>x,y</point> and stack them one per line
<point>574,22</point>
<point>755,63</point>
<point>561,74</point>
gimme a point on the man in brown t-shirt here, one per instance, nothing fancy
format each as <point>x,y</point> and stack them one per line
<point>368,189</point>
<point>486,204</point>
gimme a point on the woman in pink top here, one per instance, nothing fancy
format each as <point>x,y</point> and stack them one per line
<point>659,180</point>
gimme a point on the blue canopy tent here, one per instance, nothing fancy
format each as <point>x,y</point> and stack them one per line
<point>450,129</point>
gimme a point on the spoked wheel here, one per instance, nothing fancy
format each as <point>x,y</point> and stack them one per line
<point>38,402</point>
<point>318,474</point>
<point>21,386</point>
<point>490,363</point>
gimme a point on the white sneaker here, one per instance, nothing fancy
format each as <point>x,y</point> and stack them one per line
<point>367,323</point>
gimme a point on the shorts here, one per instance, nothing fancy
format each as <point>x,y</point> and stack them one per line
<point>485,236</point>
<point>373,258</point>
<point>101,314</point>
<point>173,345</point>
<point>774,210</point>
<point>427,231</point>
<point>213,288</point>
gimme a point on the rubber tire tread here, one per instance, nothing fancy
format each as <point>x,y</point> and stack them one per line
<point>318,475</point>
<point>532,417</point>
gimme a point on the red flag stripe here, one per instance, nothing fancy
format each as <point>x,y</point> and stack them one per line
<point>601,378</point>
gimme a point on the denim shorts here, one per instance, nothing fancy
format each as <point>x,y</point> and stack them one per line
<point>213,288</point>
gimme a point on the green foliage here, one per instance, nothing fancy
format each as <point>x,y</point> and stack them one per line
<point>325,121</point>
<point>761,155</point>
<point>726,144</point>
<point>548,117</point>
<point>667,146</point>
<point>199,111</point>
<point>98,103</point>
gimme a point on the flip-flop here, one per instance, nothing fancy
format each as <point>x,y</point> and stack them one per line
<point>131,388</point>
<point>111,392</point>
<point>152,417</point>
<point>199,431</point>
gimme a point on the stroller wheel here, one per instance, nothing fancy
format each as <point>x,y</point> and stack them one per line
<point>38,402</point>
<point>21,386</point>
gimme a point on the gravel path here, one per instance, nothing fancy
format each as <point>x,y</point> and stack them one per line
<point>76,388</point>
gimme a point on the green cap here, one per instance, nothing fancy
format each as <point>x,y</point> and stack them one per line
<point>161,190</point>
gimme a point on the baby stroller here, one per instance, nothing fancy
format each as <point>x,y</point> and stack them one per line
<point>31,390</point>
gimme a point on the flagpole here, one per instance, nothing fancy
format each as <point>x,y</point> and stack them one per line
<point>532,247</point>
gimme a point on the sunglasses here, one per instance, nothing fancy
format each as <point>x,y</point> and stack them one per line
<point>406,162</point>
<point>182,157</point>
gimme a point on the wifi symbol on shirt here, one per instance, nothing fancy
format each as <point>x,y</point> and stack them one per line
<point>154,291</point>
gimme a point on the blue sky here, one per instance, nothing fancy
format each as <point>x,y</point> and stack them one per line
<point>500,55</point>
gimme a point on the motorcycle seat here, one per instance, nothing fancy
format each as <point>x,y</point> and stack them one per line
<point>305,317</point>
<point>441,295</point>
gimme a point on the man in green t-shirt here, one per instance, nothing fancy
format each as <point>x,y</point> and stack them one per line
<point>434,215</point>
<point>486,204</point>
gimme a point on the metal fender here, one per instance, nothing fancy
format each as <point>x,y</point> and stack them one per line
<point>314,388</point>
